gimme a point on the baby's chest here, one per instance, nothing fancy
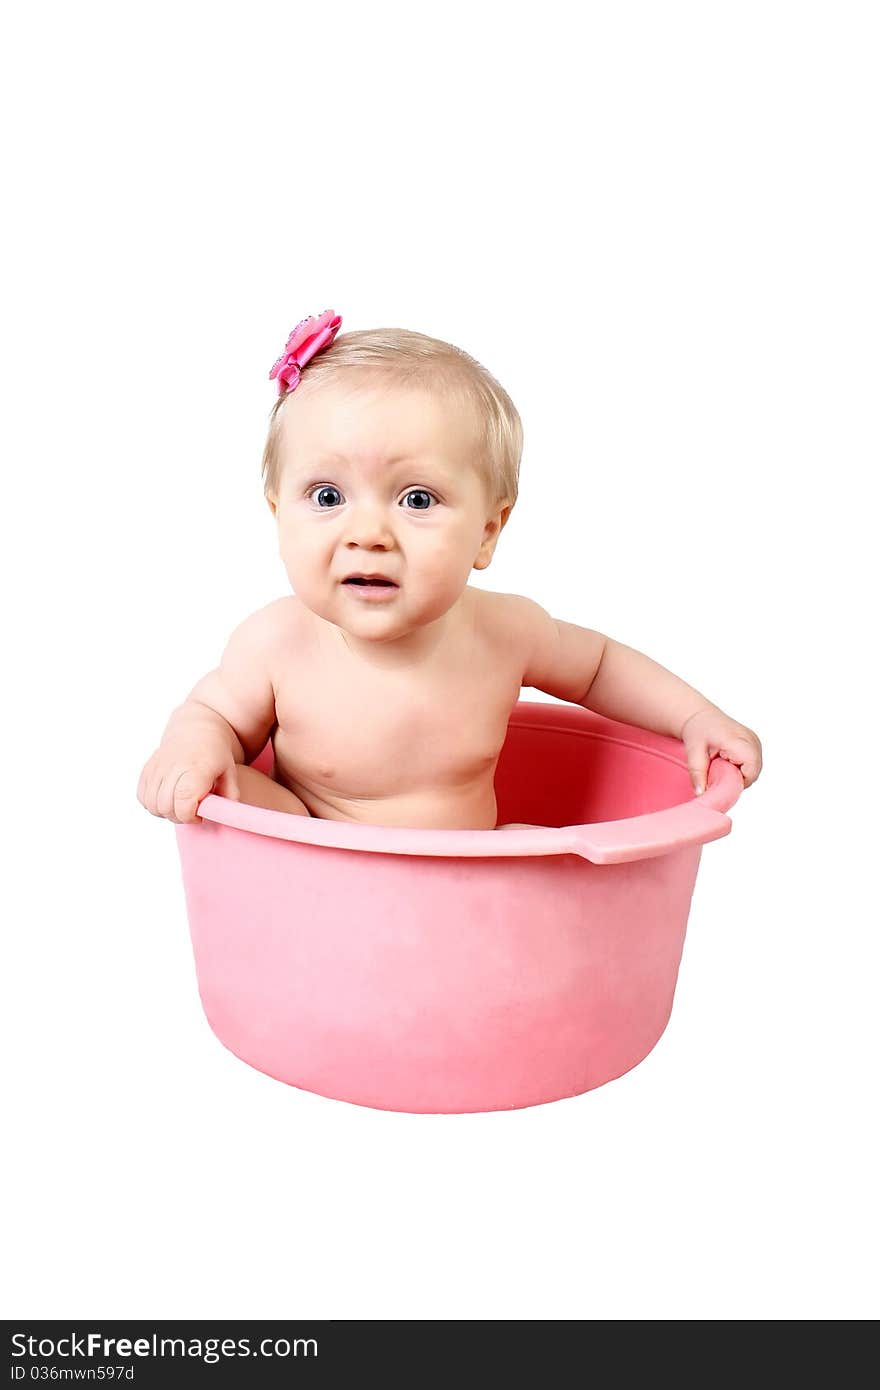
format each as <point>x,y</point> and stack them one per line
<point>380,733</point>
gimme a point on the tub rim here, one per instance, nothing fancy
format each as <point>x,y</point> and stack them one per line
<point>696,821</point>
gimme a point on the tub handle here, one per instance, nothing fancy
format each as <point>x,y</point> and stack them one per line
<point>645,837</point>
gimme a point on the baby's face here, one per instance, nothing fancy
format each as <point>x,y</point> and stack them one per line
<point>381,482</point>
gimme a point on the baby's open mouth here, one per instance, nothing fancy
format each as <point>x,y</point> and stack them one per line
<point>371,580</point>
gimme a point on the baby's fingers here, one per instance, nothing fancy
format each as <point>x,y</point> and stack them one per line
<point>227,784</point>
<point>697,764</point>
<point>744,753</point>
<point>149,785</point>
<point>142,787</point>
<point>191,787</point>
<point>749,766</point>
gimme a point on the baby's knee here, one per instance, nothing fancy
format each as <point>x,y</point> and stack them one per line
<point>256,789</point>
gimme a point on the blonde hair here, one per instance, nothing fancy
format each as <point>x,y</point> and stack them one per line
<point>406,359</point>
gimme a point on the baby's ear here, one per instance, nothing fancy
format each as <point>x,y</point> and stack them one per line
<point>273,507</point>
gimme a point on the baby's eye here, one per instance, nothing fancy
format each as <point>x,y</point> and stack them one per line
<point>423,502</point>
<point>324,494</point>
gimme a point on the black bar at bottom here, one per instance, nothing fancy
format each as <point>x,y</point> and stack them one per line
<point>143,1353</point>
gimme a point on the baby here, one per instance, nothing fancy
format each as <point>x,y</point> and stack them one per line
<point>384,680</point>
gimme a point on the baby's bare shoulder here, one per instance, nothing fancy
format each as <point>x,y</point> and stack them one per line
<point>502,612</point>
<point>281,616</point>
<point>507,620</point>
<point>272,630</point>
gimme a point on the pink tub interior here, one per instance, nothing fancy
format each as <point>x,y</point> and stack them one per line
<point>449,971</point>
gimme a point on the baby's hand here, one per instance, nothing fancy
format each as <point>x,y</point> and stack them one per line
<point>177,778</point>
<point>709,733</point>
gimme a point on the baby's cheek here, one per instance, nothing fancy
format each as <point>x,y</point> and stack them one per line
<point>441,586</point>
<point>448,561</point>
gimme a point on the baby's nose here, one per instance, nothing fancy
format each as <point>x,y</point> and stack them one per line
<point>369,526</point>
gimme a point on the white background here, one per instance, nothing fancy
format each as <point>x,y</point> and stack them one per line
<point>657,225</point>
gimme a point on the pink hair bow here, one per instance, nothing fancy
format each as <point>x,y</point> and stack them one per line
<point>309,337</point>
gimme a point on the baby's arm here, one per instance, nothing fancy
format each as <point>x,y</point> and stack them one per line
<point>224,721</point>
<point>574,663</point>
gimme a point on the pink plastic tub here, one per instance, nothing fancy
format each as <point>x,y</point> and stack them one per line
<point>447,970</point>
